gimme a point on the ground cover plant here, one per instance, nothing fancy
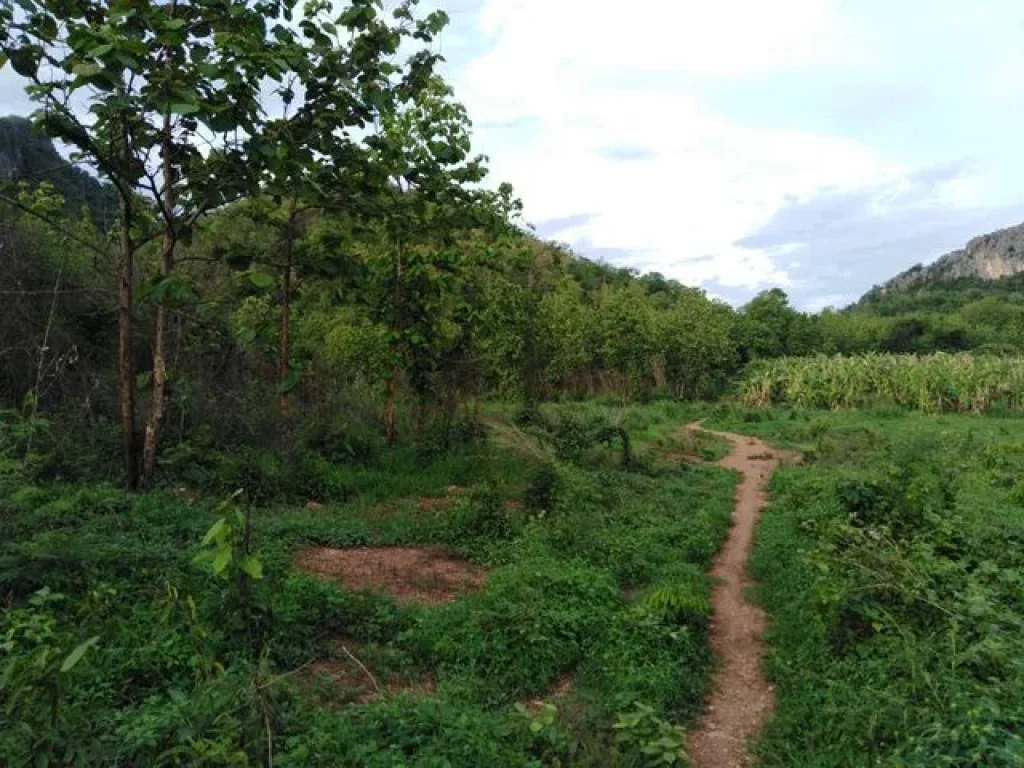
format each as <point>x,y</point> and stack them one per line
<point>314,452</point>
<point>140,630</point>
<point>890,563</point>
<point>930,383</point>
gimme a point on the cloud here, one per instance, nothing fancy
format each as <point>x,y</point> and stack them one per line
<point>13,99</point>
<point>549,228</point>
<point>856,238</point>
<point>612,126</point>
<point>743,144</point>
<point>626,153</point>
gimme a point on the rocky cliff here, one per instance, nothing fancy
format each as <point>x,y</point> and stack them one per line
<point>988,257</point>
<point>27,155</point>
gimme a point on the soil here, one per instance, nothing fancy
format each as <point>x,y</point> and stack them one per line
<point>438,503</point>
<point>433,503</point>
<point>354,679</point>
<point>561,689</point>
<point>408,574</point>
<point>741,698</point>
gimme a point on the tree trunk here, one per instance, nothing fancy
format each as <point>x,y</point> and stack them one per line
<point>157,406</point>
<point>125,337</point>
<point>286,304</point>
<point>390,429</point>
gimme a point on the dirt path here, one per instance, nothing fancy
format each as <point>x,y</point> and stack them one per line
<point>741,699</point>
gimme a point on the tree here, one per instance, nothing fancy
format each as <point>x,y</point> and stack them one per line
<point>625,336</point>
<point>135,89</point>
<point>312,157</point>
<point>562,322</point>
<point>695,344</point>
<point>423,149</point>
<point>766,325</point>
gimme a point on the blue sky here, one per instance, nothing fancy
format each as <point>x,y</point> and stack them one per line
<point>817,145</point>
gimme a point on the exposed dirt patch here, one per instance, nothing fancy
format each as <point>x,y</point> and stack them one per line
<point>433,503</point>
<point>741,698</point>
<point>437,503</point>
<point>562,689</point>
<point>408,574</point>
<point>353,677</point>
<point>512,506</point>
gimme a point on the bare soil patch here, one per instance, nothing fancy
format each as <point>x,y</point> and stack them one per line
<point>433,503</point>
<point>438,503</point>
<point>559,691</point>
<point>353,676</point>
<point>408,574</point>
<point>741,698</point>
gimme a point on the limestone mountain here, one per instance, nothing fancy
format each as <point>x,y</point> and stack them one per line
<point>28,155</point>
<point>993,256</point>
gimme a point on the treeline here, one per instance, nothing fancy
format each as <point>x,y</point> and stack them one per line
<point>302,242</point>
<point>356,334</point>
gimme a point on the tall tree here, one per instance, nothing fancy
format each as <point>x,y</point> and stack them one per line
<point>312,156</point>
<point>154,96</point>
<point>423,147</point>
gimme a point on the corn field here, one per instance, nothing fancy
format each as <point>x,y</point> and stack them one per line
<point>930,383</point>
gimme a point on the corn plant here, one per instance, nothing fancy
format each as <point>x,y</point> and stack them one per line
<point>929,383</point>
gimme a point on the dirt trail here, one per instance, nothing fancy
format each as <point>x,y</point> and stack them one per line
<point>741,699</point>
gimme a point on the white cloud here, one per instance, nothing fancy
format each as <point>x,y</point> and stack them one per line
<point>585,76</point>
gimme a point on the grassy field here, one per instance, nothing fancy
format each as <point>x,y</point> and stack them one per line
<point>891,563</point>
<point>120,647</point>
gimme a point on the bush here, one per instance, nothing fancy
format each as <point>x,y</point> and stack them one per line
<point>533,620</point>
<point>540,494</point>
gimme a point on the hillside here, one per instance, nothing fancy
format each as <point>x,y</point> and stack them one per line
<point>993,256</point>
<point>26,154</point>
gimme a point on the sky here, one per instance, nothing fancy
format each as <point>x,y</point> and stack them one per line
<point>820,146</point>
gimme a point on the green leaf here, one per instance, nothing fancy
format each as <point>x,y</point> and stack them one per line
<point>216,530</point>
<point>287,384</point>
<point>252,566</point>
<point>261,279</point>
<point>87,69</point>
<point>143,380</point>
<point>183,108</point>
<point>25,60</point>
<point>221,560</point>
<point>76,655</point>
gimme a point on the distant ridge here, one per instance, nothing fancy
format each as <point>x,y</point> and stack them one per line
<point>993,256</point>
<point>28,155</point>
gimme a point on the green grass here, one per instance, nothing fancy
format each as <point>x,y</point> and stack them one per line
<point>891,564</point>
<point>599,578</point>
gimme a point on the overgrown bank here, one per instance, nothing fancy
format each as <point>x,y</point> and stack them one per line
<point>891,564</point>
<point>594,613</point>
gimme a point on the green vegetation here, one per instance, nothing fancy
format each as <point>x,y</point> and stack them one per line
<point>890,562</point>
<point>134,638</point>
<point>933,384</point>
<point>275,321</point>
<point>26,154</point>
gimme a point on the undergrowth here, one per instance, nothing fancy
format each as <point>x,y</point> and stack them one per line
<point>139,630</point>
<point>891,563</point>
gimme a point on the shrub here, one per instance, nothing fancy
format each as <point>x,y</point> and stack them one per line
<point>533,620</point>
